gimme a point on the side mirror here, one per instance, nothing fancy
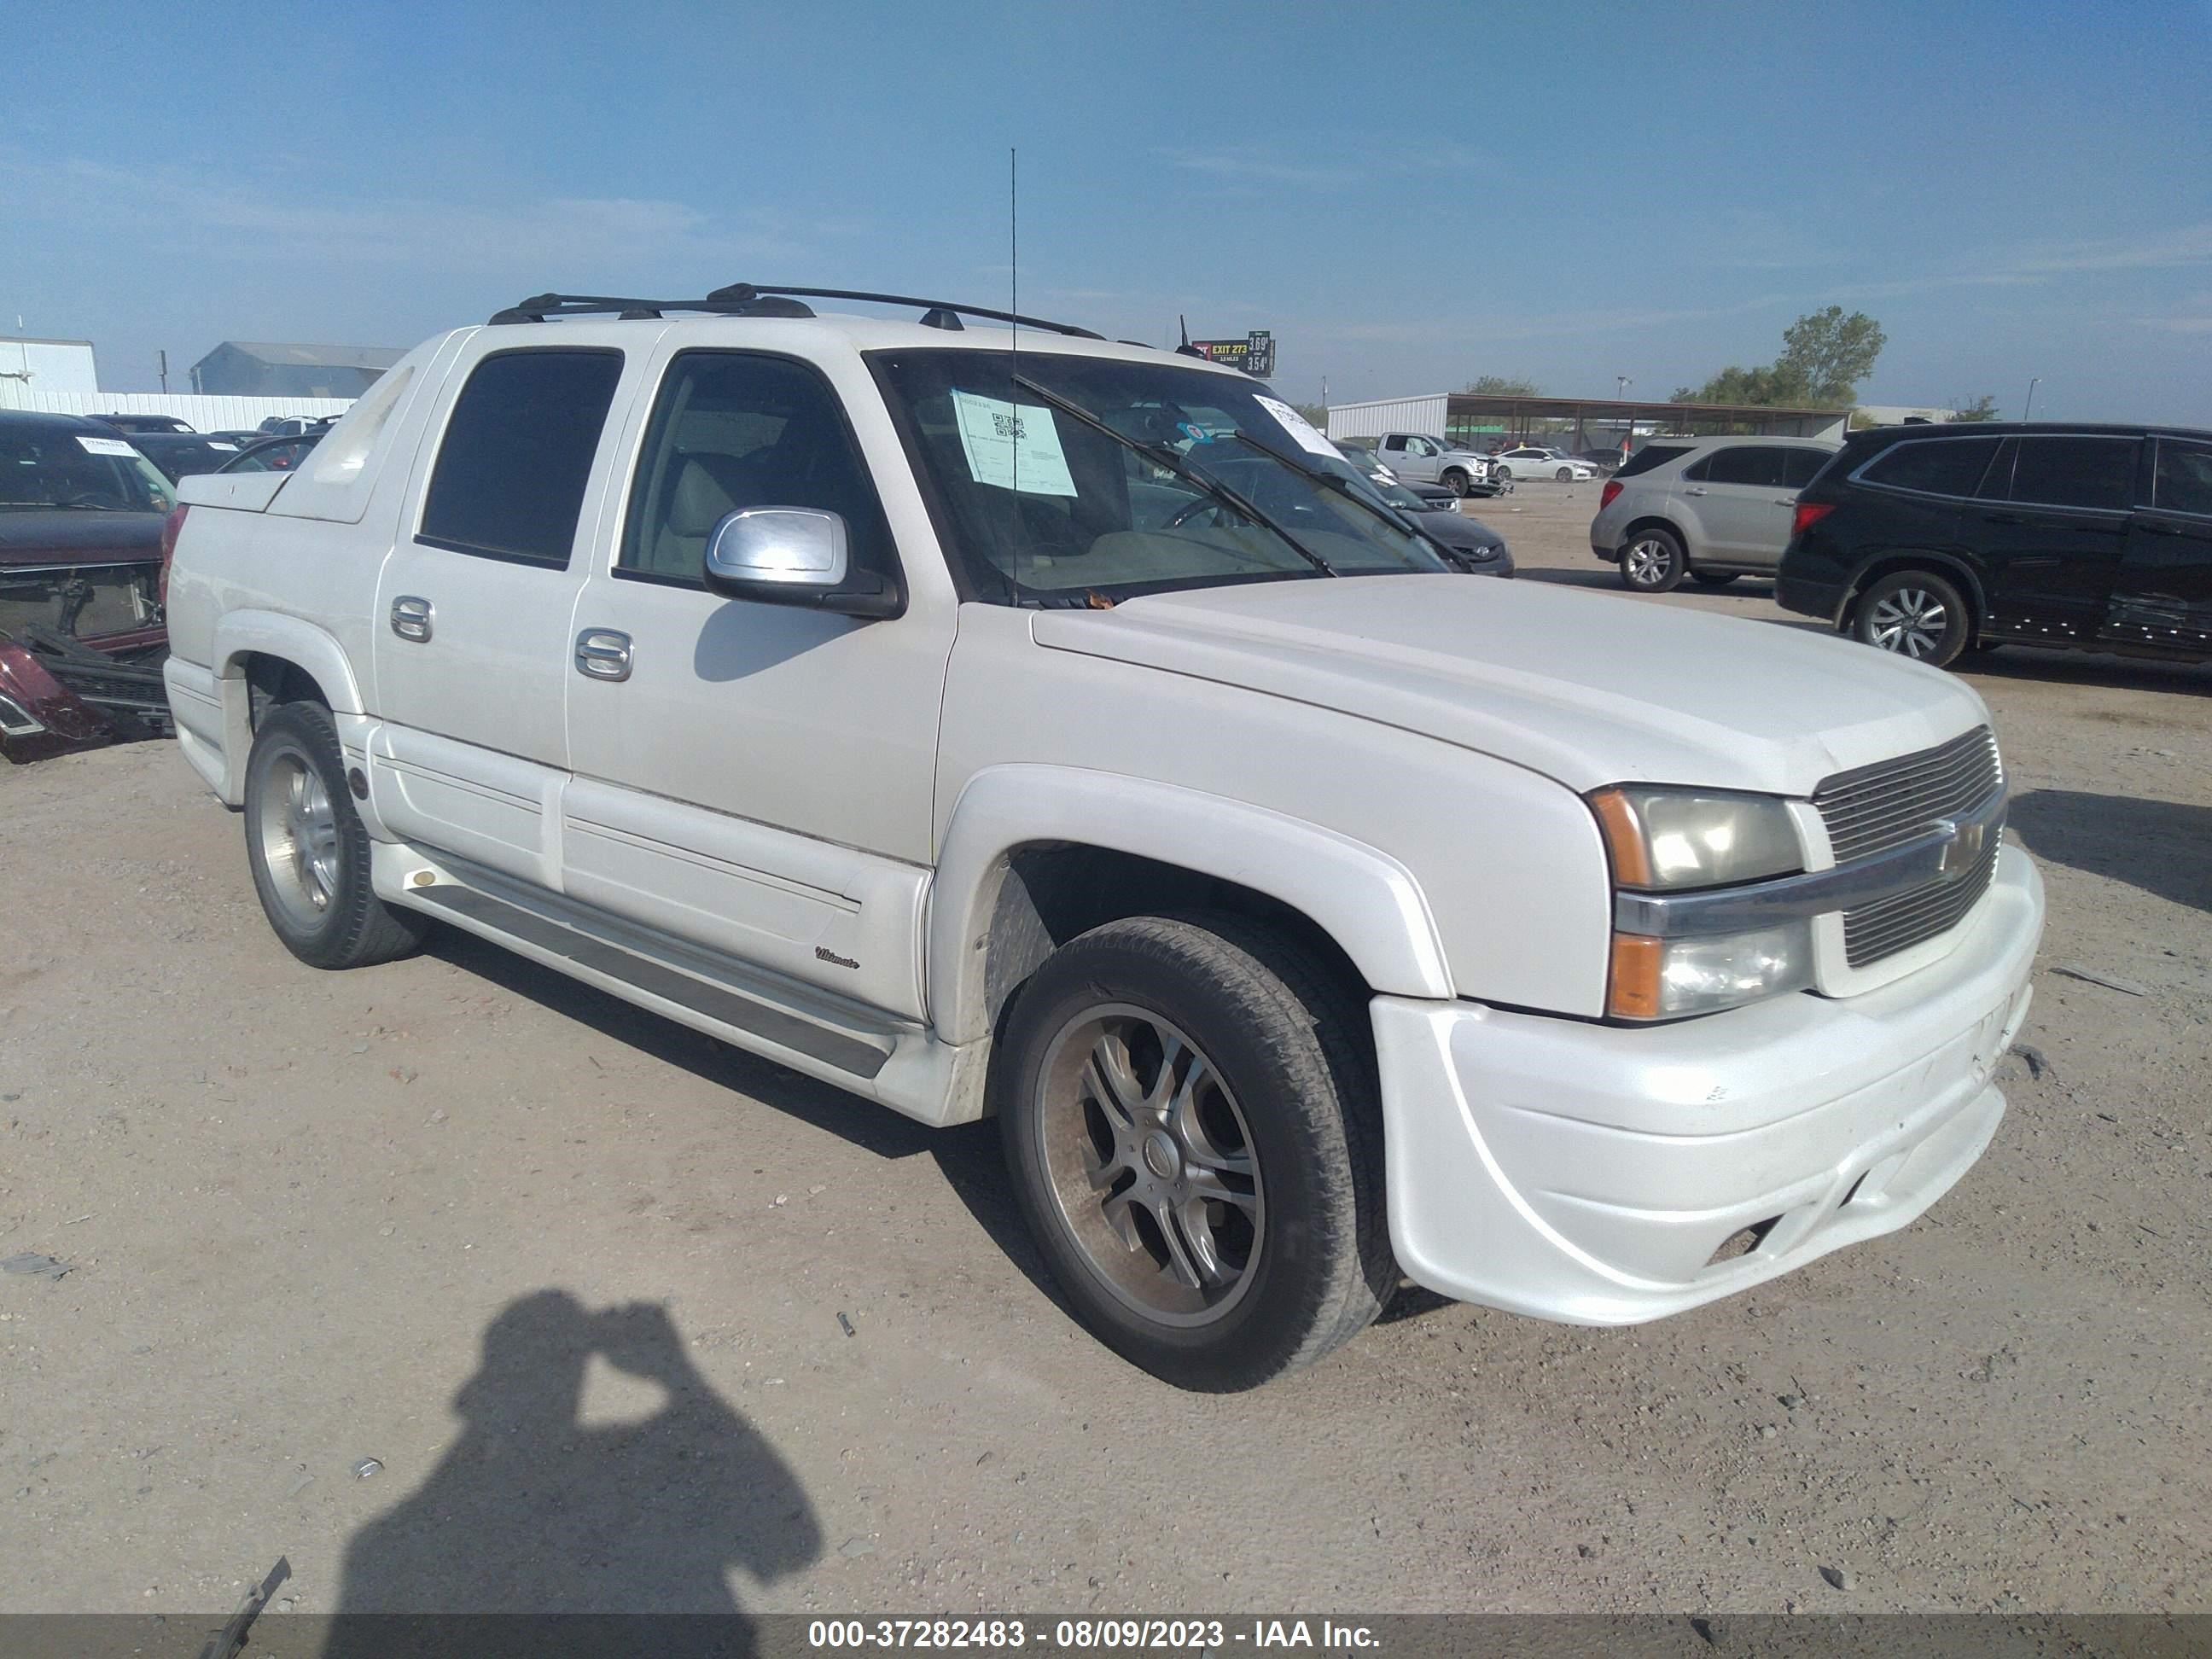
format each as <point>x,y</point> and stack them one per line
<point>794,556</point>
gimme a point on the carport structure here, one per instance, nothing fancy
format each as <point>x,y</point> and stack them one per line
<point>1479,419</point>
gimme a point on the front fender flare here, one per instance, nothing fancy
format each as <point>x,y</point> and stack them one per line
<point>1362,897</point>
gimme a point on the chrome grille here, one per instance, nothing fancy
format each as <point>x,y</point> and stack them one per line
<point>1886,927</point>
<point>1873,808</point>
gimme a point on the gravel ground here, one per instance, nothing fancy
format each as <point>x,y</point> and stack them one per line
<point>573,1277</point>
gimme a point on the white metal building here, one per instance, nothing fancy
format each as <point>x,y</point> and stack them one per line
<point>1372,420</point>
<point>29,366</point>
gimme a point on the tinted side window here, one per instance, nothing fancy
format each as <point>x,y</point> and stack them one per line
<point>2184,483</point>
<point>1747,463</point>
<point>2067,471</point>
<point>517,454</point>
<point>1801,466</point>
<point>731,431</point>
<point>1941,466</point>
<point>1650,456</point>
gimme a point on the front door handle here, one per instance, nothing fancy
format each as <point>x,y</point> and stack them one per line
<point>1694,492</point>
<point>411,617</point>
<point>602,653</point>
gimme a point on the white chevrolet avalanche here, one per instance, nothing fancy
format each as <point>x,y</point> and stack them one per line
<point>1010,721</point>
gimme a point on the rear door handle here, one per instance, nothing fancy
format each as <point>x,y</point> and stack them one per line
<point>411,617</point>
<point>1694,492</point>
<point>602,653</point>
<point>2003,517</point>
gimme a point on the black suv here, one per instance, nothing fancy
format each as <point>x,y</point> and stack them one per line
<point>1928,540</point>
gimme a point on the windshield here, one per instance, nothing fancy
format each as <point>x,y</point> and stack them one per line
<point>1040,508</point>
<point>48,467</point>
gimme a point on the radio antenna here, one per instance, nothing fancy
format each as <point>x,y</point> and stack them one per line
<point>1014,307</point>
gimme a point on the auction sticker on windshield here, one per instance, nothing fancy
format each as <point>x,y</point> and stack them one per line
<point>104,446</point>
<point>1298,426</point>
<point>1011,445</point>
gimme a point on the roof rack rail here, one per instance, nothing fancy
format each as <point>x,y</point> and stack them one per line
<point>761,300</point>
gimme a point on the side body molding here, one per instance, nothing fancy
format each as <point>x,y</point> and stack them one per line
<point>1365,900</point>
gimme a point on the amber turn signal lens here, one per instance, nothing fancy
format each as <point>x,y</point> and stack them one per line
<point>1632,991</point>
<point>1624,838</point>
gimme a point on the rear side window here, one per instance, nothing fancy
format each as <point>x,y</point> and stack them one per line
<point>1801,466</point>
<point>517,455</point>
<point>1743,464</point>
<point>2184,483</point>
<point>1938,466</point>
<point>2071,471</point>
<point>1650,456</point>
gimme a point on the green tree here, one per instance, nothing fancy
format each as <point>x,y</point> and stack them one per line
<point>1503,385</point>
<point>1825,356</point>
<point>1778,384</point>
<point>1831,353</point>
<point>1982,409</point>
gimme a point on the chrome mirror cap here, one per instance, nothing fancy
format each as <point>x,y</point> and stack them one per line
<point>785,546</point>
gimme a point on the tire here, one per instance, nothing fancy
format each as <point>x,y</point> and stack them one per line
<point>1564,475</point>
<point>1916,614</point>
<point>308,849</point>
<point>1714,578</point>
<point>1503,473</point>
<point>1652,561</point>
<point>1455,480</point>
<point>1296,1260</point>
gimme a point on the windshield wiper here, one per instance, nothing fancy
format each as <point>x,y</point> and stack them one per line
<point>1393,516</point>
<point>1161,455</point>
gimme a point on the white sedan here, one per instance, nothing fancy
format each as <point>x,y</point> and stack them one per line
<point>1540,461</point>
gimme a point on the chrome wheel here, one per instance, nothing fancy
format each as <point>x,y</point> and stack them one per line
<point>299,832</point>
<point>1910,620</point>
<point>1150,1163</point>
<point>1647,562</point>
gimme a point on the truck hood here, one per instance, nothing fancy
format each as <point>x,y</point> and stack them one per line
<point>43,536</point>
<point>1587,689</point>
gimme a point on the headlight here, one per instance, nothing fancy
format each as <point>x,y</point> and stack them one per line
<point>1667,840</point>
<point>1669,978</point>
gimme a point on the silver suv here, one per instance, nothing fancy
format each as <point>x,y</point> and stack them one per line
<point>1709,508</point>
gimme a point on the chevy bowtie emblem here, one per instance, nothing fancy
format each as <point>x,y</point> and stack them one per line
<point>1963,850</point>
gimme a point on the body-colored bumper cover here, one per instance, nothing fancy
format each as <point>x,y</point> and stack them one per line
<point>1588,1174</point>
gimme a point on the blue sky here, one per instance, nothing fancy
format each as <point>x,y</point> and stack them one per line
<point>1409,194</point>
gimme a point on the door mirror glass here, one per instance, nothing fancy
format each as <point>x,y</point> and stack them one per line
<point>793,554</point>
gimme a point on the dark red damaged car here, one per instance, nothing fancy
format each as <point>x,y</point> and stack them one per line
<point>82,640</point>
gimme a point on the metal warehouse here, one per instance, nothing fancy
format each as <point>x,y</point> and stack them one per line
<point>269,370</point>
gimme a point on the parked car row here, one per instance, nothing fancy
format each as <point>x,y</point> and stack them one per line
<point>1930,541</point>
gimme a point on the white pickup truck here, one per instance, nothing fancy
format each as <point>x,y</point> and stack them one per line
<point>1421,458</point>
<point>1017,722</point>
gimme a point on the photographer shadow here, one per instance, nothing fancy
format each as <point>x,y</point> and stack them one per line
<point>535,1511</point>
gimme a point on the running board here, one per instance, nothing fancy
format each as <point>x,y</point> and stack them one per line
<point>896,1062</point>
<point>722,1005</point>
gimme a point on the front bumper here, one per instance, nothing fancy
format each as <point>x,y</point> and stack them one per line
<point>1588,1173</point>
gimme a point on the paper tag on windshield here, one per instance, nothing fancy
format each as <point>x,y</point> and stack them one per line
<point>1298,426</point>
<point>104,446</point>
<point>1011,445</point>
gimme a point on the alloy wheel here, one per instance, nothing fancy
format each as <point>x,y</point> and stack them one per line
<point>1648,560</point>
<point>1911,622</point>
<point>1150,1164</point>
<point>299,832</point>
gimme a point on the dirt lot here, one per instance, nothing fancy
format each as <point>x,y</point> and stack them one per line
<point>573,1277</point>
